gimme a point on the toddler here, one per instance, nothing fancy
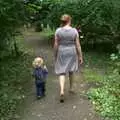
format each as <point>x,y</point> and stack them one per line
<point>40,73</point>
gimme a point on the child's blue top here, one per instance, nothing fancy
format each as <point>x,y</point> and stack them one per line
<point>40,73</point>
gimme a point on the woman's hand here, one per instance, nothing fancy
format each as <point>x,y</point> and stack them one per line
<point>80,60</point>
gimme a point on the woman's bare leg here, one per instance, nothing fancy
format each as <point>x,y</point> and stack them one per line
<point>71,79</point>
<point>62,84</point>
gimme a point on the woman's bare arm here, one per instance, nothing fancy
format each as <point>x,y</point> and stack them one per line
<point>79,50</point>
<point>56,46</point>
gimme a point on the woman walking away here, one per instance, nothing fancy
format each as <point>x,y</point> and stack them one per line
<point>68,53</point>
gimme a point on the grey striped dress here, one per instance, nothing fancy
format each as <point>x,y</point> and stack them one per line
<point>67,59</point>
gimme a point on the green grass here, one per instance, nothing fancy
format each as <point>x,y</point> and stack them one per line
<point>105,98</point>
<point>95,66</point>
<point>91,75</point>
<point>15,74</point>
<point>97,60</point>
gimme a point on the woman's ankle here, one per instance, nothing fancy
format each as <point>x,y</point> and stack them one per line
<point>61,93</point>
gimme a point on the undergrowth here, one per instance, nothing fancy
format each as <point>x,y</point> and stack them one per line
<point>106,99</point>
<point>14,76</point>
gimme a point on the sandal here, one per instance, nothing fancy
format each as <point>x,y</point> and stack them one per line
<point>61,98</point>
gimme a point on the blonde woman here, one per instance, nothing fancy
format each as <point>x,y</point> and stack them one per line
<point>68,53</point>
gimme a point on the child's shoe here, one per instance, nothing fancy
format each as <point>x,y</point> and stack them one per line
<point>39,97</point>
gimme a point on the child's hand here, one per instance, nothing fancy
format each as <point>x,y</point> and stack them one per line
<point>45,67</point>
<point>45,70</point>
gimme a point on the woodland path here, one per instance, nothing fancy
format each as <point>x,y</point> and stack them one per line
<point>75,107</point>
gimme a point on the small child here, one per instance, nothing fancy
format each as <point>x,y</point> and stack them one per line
<point>40,73</point>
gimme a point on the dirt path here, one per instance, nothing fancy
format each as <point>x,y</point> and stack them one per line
<point>76,107</point>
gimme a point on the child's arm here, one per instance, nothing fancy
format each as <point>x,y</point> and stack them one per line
<point>45,70</point>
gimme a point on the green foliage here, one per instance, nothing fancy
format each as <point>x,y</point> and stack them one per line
<point>15,74</point>
<point>105,103</point>
<point>116,62</point>
<point>99,19</point>
<point>92,75</point>
<point>11,17</point>
<point>107,98</point>
<point>13,14</point>
<point>13,80</point>
<point>47,36</point>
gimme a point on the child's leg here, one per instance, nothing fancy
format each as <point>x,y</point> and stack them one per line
<point>44,84</point>
<point>41,89</point>
<point>38,88</point>
<point>37,91</point>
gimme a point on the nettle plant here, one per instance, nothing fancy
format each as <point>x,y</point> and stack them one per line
<point>107,98</point>
<point>113,83</point>
<point>116,60</point>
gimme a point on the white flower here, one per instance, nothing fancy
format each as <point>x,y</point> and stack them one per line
<point>81,37</point>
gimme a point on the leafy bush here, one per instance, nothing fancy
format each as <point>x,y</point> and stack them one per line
<point>14,75</point>
<point>107,98</point>
<point>99,19</point>
<point>13,14</point>
<point>13,80</point>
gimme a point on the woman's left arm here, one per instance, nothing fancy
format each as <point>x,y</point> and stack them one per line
<point>56,46</point>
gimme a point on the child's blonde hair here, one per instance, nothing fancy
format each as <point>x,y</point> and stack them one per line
<point>38,62</point>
